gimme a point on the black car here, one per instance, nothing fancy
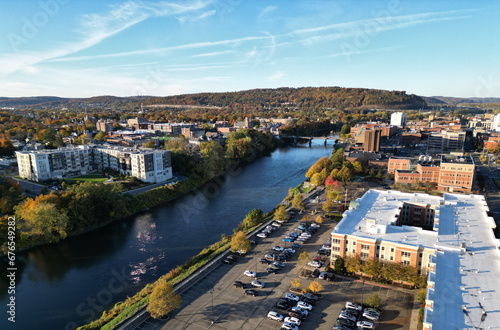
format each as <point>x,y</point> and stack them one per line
<point>271,270</point>
<point>251,292</point>
<point>283,306</point>
<point>315,273</point>
<point>289,302</point>
<point>228,261</point>
<point>239,284</point>
<point>265,261</point>
<point>345,322</point>
<point>351,311</point>
<point>309,301</point>
<point>322,252</point>
<point>232,258</point>
<point>297,315</point>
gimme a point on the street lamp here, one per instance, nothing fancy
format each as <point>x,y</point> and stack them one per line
<point>212,320</point>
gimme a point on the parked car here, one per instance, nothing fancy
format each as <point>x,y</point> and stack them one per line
<point>228,261</point>
<point>292,320</point>
<point>275,316</point>
<point>270,256</point>
<point>370,316</point>
<point>309,295</point>
<point>289,250</point>
<point>351,311</point>
<point>258,284</point>
<point>372,311</point>
<point>251,292</point>
<point>348,316</point>
<point>302,312</point>
<point>326,276</point>
<point>340,327</point>
<point>304,305</point>
<point>323,252</point>
<point>288,326</point>
<point>239,284</point>
<point>262,235</point>
<point>353,306</point>
<point>278,248</point>
<point>276,224</point>
<point>249,273</point>
<point>315,273</point>
<point>265,261</point>
<point>232,257</point>
<point>271,270</point>
<point>365,325</point>
<point>282,305</point>
<point>346,323</point>
<point>296,246</point>
<point>287,239</point>
<point>291,296</point>
<point>314,264</point>
<point>297,315</point>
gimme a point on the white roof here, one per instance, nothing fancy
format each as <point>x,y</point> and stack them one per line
<point>467,270</point>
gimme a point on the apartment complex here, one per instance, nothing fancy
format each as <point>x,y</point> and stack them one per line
<point>147,165</point>
<point>371,139</point>
<point>450,174</point>
<point>450,238</point>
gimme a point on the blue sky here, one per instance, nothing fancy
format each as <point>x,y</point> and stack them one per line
<point>73,48</point>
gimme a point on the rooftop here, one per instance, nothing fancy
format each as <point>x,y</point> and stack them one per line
<point>467,271</point>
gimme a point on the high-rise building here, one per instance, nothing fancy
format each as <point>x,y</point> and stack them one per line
<point>371,139</point>
<point>398,119</point>
<point>496,123</point>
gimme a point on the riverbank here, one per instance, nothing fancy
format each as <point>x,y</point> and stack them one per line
<point>123,310</point>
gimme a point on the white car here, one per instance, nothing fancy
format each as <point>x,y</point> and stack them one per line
<point>325,275</point>
<point>372,311</point>
<point>304,305</point>
<point>289,326</point>
<point>292,320</point>
<point>275,316</point>
<point>305,235</point>
<point>258,284</point>
<point>347,316</point>
<point>290,250</point>
<point>353,306</point>
<point>370,316</point>
<point>365,325</point>
<point>249,273</point>
<point>303,312</point>
<point>278,248</point>
<point>276,224</point>
<point>314,264</point>
<point>291,296</point>
<point>262,235</point>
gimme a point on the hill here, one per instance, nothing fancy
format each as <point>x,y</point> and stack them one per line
<point>305,97</point>
<point>460,100</point>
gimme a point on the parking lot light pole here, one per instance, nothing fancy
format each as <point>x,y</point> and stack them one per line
<point>212,321</point>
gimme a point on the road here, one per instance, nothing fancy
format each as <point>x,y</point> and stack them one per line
<point>155,185</point>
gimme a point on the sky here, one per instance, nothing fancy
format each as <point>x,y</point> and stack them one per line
<point>76,48</point>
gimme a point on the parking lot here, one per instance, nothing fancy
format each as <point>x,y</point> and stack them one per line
<point>214,298</point>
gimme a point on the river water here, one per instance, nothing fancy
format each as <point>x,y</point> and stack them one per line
<point>70,283</point>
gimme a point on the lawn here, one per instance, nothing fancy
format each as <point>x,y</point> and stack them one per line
<point>86,178</point>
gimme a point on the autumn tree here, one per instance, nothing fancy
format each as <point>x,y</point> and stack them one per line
<point>316,179</point>
<point>352,263</point>
<point>315,287</point>
<point>372,268</point>
<point>296,283</point>
<point>374,301</point>
<point>163,299</point>
<point>240,242</point>
<point>303,259</point>
<point>298,202</point>
<point>281,214</point>
<point>306,218</point>
<point>319,219</point>
<point>345,174</point>
<point>42,221</point>
<point>252,219</point>
<point>214,162</point>
<point>149,144</point>
<point>328,206</point>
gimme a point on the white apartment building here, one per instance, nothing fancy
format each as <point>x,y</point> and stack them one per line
<point>147,165</point>
<point>496,123</point>
<point>398,119</point>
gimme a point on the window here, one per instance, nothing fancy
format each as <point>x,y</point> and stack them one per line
<point>336,241</point>
<point>405,262</point>
<point>406,254</point>
<point>392,250</point>
<point>365,247</point>
<point>392,258</point>
<point>383,248</point>
<point>364,255</point>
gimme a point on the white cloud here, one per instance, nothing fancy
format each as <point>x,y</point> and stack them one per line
<point>197,18</point>
<point>276,76</point>
<point>94,28</point>
<point>267,10</point>
<point>224,52</point>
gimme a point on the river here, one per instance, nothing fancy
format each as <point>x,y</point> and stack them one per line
<point>70,283</point>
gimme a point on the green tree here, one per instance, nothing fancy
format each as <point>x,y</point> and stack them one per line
<point>298,202</point>
<point>240,242</point>
<point>358,167</point>
<point>150,144</point>
<point>374,301</point>
<point>346,129</point>
<point>163,299</point>
<point>252,219</point>
<point>339,265</point>
<point>214,162</point>
<point>372,268</point>
<point>101,136</point>
<point>345,174</point>
<point>328,206</point>
<point>281,214</point>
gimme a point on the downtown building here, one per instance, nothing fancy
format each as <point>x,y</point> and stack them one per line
<point>449,238</point>
<point>147,165</point>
